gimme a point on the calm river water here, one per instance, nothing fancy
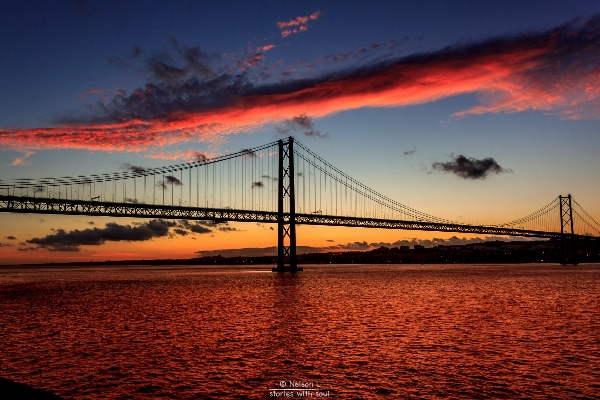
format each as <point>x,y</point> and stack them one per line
<point>377,331</point>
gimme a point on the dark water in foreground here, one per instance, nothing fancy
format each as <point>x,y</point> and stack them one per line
<point>408,331</point>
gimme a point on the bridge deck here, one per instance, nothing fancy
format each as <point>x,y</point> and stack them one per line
<point>16,204</point>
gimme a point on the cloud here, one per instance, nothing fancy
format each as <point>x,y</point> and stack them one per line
<point>470,168</point>
<point>22,160</point>
<point>248,153</point>
<point>11,238</point>
<point>62,240</point>
<point>172,180</point>
<point>452,241</point>
<point>257,185</point>
<point>133,168</point>
<point>301,123</point>
<point>300,22</point>
<point>162,185</point>
<point>410,152</point>
<point>200,157</point>
<point>136,52</point>
<point>264,49</point>
<point>356,246</point>
<point>200,227</point>
<point>556,72</point>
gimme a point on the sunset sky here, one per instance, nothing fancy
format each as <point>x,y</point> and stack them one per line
<point>392,93</point>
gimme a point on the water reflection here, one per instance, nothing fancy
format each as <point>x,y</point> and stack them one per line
<point>368,331</point>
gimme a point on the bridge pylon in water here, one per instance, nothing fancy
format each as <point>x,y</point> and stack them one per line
<point>568,249</point>
<point>286,222</point>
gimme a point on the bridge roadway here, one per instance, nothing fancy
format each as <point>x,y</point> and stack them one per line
<point>18,204</point>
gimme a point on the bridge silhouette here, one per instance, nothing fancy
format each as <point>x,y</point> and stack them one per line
<point>282,182</point>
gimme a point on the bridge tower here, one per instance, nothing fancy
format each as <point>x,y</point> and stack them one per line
<point>286,222</point>
<point>568,249</point>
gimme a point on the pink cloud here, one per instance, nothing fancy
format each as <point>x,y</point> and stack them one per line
<point>266,48</point>
<point>22,161</point>
<point>299,20</point>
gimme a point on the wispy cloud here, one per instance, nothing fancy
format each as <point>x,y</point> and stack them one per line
<point>556,72</point>
<point>22,161</point>
<point>299,22</point>
<point>302,124</point>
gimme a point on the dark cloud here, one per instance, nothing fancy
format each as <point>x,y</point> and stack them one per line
<point>31,249</point>
<point>62,240</point>
<point>409,152</point>
<point>162,185</point>
<point>170,179</point>
<point>411,242</point>
<point>133,168</point>
<point>136,52</point>
<point>11,238</point>
<point>6,244</point>
<point>470,168</point>
<point>118,63</point>
<point>257,185</point>
<point>302,124</point>
<point>200,157</point>
<point>248,152</point>
<point>91,223</point>
<point>130,200</point>
<point>351,246</point>
<point>163,69</point>
<point>196,226</point>
<point>192,62</point>
<point>202,227</point>
<point>227,228</point>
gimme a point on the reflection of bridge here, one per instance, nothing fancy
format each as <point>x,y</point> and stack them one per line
<point>267,184</point>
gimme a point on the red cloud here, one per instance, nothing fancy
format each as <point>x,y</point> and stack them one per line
<point>556,72</point>
<point>266,48</point>
<point>299,20</point>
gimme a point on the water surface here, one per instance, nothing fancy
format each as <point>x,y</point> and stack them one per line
<point>377,331</point>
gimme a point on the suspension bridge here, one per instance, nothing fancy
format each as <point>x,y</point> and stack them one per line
<point>283,183</point>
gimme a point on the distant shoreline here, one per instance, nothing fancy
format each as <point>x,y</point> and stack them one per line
<point>493,252</point>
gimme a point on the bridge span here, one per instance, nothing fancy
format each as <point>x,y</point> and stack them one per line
<point>268,184</point>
